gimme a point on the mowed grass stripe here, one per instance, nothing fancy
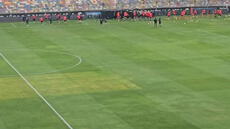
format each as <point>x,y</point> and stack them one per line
<point>196,55</point>
<point>19,56</point>
<point>76,105</point>
<point>206,74</point>
<point>20,108</point>
<point>173,88</point>
<point>37,92</point>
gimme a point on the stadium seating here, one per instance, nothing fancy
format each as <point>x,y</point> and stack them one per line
<point>30,6</point>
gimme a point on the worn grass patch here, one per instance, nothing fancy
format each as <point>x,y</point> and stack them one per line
<point>80,82</point>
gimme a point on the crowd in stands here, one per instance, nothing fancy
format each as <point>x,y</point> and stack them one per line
<point>32,6</point>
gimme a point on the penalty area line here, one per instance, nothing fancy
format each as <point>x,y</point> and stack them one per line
<point>36,91</point>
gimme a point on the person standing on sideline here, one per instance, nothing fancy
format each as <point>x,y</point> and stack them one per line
<point>159,22</point>
<point>41,20</point>
<point>34,18</point>
<point>27,20</point>
<point>155,22</point>
<point>51,20</point>
<point>118,16</point>
<point>65,18</point>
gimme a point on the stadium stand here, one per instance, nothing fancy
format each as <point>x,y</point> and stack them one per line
<point>33,6</point>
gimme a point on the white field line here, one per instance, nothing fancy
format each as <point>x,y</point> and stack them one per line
<point>54,71</point>
<point>36,91</point>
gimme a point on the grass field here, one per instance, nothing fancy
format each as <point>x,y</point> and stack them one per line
<point>126,75</point>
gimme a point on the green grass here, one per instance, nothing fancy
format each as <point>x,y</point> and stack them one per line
<point>132,75</point>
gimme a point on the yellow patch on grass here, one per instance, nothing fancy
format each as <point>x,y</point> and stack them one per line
<point>78,83</point>
<point>63,84</point>
<point>14,88</point>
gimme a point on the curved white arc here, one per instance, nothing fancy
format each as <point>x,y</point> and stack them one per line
<point>53,71</point>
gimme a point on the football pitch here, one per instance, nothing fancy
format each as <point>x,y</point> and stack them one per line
<point>120,75</point>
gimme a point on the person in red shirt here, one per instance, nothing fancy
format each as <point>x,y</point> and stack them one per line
<point>220,12</point>
<point>34,18</point>
<point>192,11</point>
<point>126,14</point>
<point>174,12</point>
<point>79,17</point>
<point>183,13</point>
<point>195,12</point>
<point>134,14</point>
<point>203,11</point>
<point>64,18</point>
<point>149,15</point>
<point>118,15</point>
<point>143,14</point>
<point>169,13</point>
<point>41,19</point>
